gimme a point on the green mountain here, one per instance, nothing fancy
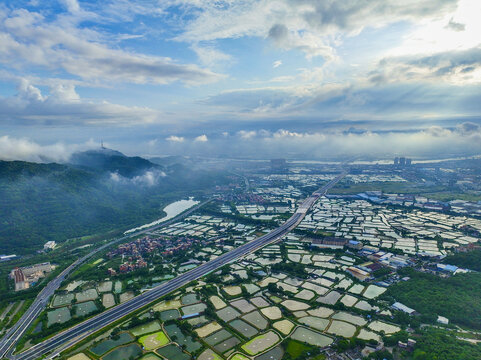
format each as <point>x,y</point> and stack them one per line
<point>113,161</point>
<point>42,202</point>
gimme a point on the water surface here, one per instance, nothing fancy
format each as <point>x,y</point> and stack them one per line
<point>171,210</point>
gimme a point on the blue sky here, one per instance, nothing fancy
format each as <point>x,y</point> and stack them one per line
<point>306,78</point>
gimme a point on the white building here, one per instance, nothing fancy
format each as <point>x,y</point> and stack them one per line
<point>49,245</point>
<point>402,307</point>
<point>443,320</point>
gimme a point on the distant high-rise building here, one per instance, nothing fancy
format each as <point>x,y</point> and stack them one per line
<point>402,161</point>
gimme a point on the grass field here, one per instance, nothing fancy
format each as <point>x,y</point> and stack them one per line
<point>154,341</point>
<point>239,357</point>
<point>296,348</point>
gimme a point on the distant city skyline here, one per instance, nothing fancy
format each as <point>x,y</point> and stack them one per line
<point>259,79</point>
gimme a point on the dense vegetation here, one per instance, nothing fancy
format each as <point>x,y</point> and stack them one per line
<point>41,202</point>
<point>439,345</point>
<point>113,161</point>
<point>298,350</point>
<point>435,192</point>
<point>457,298</point>
<point>293,269</point>
<point>470,260</point>
<point>387,187</point>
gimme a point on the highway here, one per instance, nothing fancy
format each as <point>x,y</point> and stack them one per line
<point>75,334</point>
<point>9,341</point>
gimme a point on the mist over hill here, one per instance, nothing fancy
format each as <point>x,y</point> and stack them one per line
<point>99,190</point>
<point>105,159</point>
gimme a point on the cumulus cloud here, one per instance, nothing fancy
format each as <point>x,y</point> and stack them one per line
<point>347,141</point>
<point>12,148</point>
<point>463,139</point>
<point>365,141</point>
<point>29,39</point>
<point>63,105</point>
<point>304,24</point>
<point>201,138</point>
<point>244,134</point>
<point>175,139</point>
<point>148,178</point>
<point>462,66</point>
<point>64,93</point>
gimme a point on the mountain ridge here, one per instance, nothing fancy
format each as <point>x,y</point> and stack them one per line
<point>41,202</point>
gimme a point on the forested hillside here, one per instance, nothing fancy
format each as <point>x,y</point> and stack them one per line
<point>41,202</point>
<point>457,298</point>
<point>470,260</point>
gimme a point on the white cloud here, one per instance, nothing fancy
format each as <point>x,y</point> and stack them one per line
<point>174,138</point>
<point>210,56</point>
<point>277,63</point>
<point>62,105</point>
<point>12,148</point>
<point>463,138</point>
<point>431,37</point>
<point>148,178</point>
<point>64,93</point>
<point>289,101</point>
<point>201,138</point>
<point>28,39</point>
<point>29,92</point>
<point>455,66</point>
<point>306,25</point>
<point>72,5</point>
<point>247,134</point>
<point>347,141</point>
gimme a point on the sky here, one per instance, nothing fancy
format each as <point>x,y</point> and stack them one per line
<point>303,79</point>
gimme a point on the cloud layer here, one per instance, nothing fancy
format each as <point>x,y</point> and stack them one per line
<point>32,40</point>
<point>63,106</point>
<point>28,150</point>
<point>252,77</point>
<point>303,25</point>
<point>430,142</point>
